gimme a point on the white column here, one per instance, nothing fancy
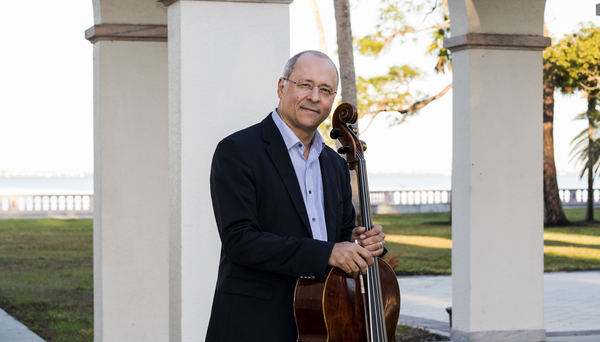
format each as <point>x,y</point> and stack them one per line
<point>130,177</point>
<point>497,190</point>
<point>224,62</point>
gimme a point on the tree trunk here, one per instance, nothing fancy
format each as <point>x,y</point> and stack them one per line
<point>589,216</point>
<point>347,76</point>
<point>553,213</point>
<point>320,30</point>
<point>345,52</point>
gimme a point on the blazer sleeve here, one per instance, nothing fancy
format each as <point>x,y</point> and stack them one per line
<point>244,241</point>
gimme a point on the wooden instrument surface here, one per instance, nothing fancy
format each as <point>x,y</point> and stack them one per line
<point>337,310</point>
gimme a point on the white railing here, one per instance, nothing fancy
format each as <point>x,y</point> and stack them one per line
<point>568,197</point>
<point>410,197</point>
<point>64,206</point>
<point>577,197</point>
<point>76,206</point>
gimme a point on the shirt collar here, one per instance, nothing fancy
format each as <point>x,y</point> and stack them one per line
<point>290,138</point>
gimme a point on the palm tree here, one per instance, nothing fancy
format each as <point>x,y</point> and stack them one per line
<point>347,76</point>
<point>345,51</point>
<point>586,150</point>
<point>320,30</point>
<point>554,214</point>
<point>576,61</point>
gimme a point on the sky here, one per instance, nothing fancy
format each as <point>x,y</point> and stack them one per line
<point>46,98</point>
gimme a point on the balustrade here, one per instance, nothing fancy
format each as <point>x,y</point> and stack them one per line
<point>577,197</point>
<point>23,206</point>
<point>410,197</point>
<point>16,206</point>
<point>568,197</point>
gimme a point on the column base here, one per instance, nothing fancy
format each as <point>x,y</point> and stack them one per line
<point>500,336</point>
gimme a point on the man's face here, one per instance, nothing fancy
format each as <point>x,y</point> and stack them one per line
<point>301,111</point>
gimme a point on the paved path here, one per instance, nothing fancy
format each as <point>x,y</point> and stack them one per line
<point>12,330</point>
<point>571,304</point>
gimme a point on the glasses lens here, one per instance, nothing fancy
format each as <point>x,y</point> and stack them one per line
<point>306,88</point>
<point>325,92</point>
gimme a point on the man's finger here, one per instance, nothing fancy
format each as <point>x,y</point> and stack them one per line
<point>374,241</point>
<point>376,230</point>
<point>365,254</point>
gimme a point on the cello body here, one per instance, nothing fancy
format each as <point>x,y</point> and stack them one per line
<point>346,309</point>
<point>333,310</point>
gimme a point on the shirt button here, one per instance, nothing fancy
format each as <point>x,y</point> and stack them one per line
<point>299,145</point>
<point>309,191</point>
<point>314,219</point>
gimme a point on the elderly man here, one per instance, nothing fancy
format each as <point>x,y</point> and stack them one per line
<point>283,206</point>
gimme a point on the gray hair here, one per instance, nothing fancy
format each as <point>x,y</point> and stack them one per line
<point>289,66</point>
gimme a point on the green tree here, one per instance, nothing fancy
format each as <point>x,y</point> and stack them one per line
<point>576,61</point>
<point>392,93</point>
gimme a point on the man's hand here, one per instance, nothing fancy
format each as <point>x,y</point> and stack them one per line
<point>372,240</point>
<point>351,258</point>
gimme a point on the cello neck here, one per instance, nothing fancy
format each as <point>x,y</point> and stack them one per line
<point>363,193</point>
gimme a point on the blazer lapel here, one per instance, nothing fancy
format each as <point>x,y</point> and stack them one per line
<point>330,196</point>
<point>281,159</point>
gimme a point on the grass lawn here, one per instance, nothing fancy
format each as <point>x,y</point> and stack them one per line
<point>427,249</point>
<point>46,276</point>
<point>46,279</point>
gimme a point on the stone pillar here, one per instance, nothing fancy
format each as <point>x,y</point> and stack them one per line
<point>497,189</point>
<point>225,59</point>
<point>131,273</point>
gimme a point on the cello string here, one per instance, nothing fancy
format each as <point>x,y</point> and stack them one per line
<point>373,326</point>
<point>374,290</point>
<point>375,294</point>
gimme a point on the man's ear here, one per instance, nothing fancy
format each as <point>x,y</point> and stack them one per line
<point>280,86</point>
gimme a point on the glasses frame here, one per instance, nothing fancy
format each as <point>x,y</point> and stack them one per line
<point>311,89</point>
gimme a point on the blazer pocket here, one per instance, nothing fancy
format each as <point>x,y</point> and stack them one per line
<point>247,287</point>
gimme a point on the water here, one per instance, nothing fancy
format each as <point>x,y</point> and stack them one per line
<point>46,186</point>
<point>377,182</point>
<point>381,182</point>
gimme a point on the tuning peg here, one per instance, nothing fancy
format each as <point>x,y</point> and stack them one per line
<point>335,133</point>
<point>364,145</point>
<point>353,128</point>
<point>344,150</point>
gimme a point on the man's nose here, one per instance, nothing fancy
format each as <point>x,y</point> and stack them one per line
<point>314,94</point>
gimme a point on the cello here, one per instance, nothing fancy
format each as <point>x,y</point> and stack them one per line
<point>346,309</point>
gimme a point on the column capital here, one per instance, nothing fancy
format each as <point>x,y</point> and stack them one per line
<point>147,33</point>
<point>497,42</point>
<point>169,2</point>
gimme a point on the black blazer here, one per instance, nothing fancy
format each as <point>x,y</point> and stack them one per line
<point>266,238</point>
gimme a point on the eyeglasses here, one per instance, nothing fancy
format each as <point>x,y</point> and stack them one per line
<point>305,88</point>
